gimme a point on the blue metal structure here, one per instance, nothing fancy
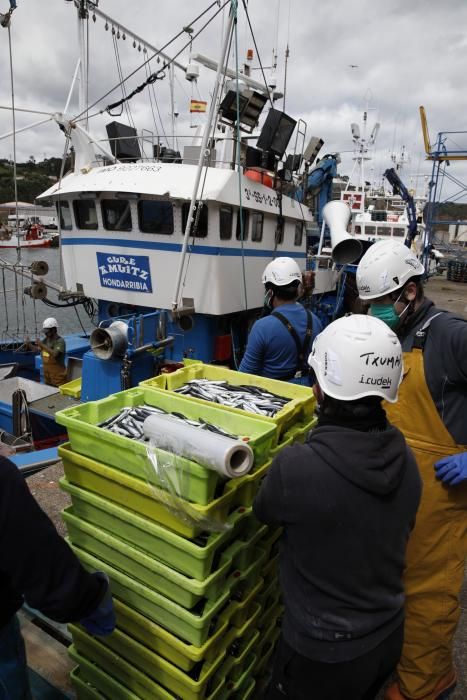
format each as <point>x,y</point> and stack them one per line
<point>449,146</point>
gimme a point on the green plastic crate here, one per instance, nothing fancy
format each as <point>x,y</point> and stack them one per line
<point>196,559</point>
<point>181,684</point>
<point>242,677</point>
<point>193,626</point>
<point>87,677</point>
<point>184,590</point>
<point>156,504</point>
<point>299,409</point>
<point>197,483</point>
<point>238,615</point>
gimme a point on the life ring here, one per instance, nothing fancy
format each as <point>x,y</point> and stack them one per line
<point>260,176</point>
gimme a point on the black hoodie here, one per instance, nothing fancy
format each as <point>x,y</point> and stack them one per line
<point>347,500</point>
<point>35,562</point>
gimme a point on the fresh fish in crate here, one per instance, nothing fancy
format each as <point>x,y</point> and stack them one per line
<point>248,398</point>
<point>129,422</point>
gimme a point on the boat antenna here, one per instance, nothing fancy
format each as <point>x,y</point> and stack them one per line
<point>287,54</point>
<point>5,22</point>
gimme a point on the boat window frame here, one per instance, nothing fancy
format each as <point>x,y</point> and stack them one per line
<point>246,224</point>
<point>170,224</point>
<point>279,231</point>
<point>118,202</point>
<point>58,206</point>
<point>298,234</point>
<point>398,228</point>
<point>203,222</point>
<point>254,217</point>
<point>80,204</point>
<point>225,229</point>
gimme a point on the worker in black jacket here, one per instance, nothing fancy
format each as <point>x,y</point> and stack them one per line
<point>347,500</point>
<point>37,566</point>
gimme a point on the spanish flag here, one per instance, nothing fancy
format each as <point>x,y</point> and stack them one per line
<point>197,106</point>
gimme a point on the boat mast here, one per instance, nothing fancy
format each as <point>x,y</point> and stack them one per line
<point>82,14</point>
<point>204,143</point>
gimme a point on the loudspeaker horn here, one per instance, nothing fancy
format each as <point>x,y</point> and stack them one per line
<point>109,343</point>
<point>345,248</point>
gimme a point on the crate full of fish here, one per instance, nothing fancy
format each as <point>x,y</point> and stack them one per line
<point>115,431</point>
<point>281,403</point>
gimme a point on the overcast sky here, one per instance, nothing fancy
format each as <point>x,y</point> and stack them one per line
<point>407,53</point>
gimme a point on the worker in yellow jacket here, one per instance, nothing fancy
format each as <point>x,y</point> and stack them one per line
<point>431,413</point>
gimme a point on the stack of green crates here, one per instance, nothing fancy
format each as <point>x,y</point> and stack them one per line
<point>198,609</point>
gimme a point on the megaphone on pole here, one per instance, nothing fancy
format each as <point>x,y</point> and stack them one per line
<point>345,248</point>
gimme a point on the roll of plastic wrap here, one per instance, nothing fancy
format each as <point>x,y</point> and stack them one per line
<point>231,458</point>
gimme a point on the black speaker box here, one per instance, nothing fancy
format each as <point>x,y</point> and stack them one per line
<point>123,142</point>
<point>276,132</point>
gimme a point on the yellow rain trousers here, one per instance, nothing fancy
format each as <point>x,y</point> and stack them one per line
<point>55,374</point>
<point>438,544</point>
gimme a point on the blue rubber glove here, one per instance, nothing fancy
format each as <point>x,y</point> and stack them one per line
<point>452,470</point>
<point>101,622</point>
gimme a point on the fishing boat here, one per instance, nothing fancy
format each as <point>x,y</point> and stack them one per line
<point>33,236</point>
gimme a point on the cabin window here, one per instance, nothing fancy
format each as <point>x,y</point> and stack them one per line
<point>298,239</point>
<point>64,212</point>
<point>85,214</point>
<point>370,230</point>
<point>202,226</point>
<point>398,231</point>
<point>279,232</point>
<point>382,231</point>
<point>244,225</point>
<point>358,229</point>
<point>225,222</point>
<point>155,216</point>
<point>257,221</point>
<point>116,214</point>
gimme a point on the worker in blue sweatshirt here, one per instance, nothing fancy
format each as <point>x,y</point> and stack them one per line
<point>279,344</point>
<point>39,568</point>
<point>347,501</point>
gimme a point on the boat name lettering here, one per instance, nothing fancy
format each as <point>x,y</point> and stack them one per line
<point>261,197</point>
<point>125,272</point>
<point>130,168</point>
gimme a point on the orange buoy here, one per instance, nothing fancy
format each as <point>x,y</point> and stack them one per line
<point>260,176</point>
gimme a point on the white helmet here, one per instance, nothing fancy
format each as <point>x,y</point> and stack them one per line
<point>357,356</point>
<point>49,323</point>
<point>282,271</point>
<point>386,267</point>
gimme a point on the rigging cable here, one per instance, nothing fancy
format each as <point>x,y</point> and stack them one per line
<point>239,168</point>
<point>154,77</point>
<point>122,83</point>
<point>198,208</point>
<point>257,52</point>
<point>152,102</point>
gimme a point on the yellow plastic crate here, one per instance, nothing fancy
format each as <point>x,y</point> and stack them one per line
<point>72,388</point>
<point>299,409</point>
<point>193,481</point>
<point>238,615</point>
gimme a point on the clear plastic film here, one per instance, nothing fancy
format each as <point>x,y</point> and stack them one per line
<point>169,477</point>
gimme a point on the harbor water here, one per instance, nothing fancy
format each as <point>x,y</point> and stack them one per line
<point>20,315</point>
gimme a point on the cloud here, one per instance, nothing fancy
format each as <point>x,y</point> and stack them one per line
<point>407,54</point>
